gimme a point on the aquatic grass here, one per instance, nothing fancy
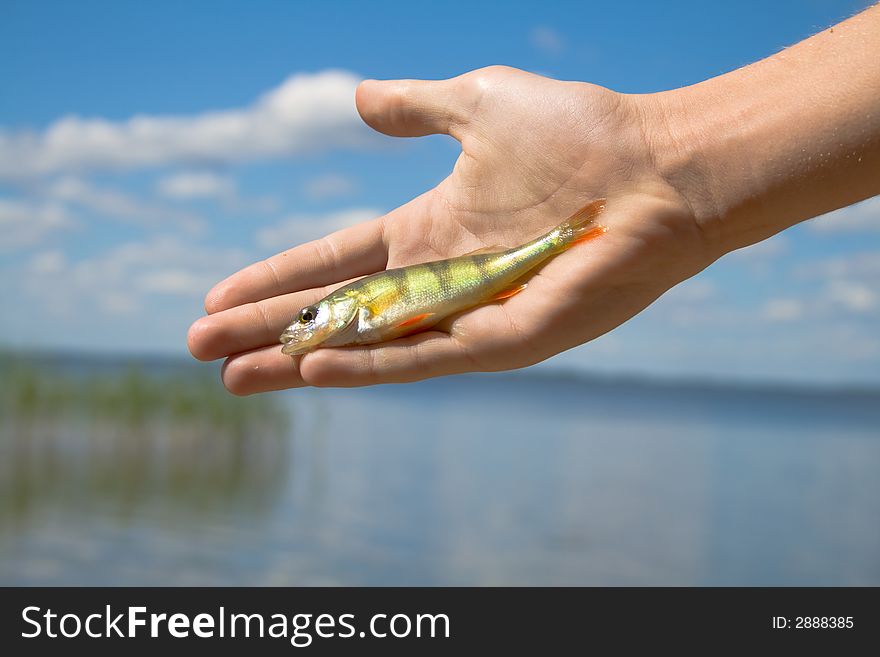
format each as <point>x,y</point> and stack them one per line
<point>133,436</point>
<point>131,395</point>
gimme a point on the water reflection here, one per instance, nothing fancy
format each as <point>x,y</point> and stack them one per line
<point>467,480</point>
<point>129,442</point>
<point>522,480</point>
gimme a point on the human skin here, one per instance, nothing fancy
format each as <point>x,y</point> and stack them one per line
<point>688,174</point>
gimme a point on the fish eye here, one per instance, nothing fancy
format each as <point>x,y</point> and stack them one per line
<point>306,315</point>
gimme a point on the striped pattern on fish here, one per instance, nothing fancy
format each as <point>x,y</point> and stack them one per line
<point>401,301</point>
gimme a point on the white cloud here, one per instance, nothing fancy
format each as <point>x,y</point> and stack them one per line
<point>331,185</point>
<point>783,310</point>
<point>188,185</point>
<point>307,112</point>
<point>26,223</point>
<point>298,229</point>
<point>195,185</point>
<point>859,218</point>
<point>863,265</point>
<point>116,205</point>
<point>112,302</point>
<point>845,283</point>
<point>547,40</point>
<point>48,262</point>
<point>853,296</point>
<point>692,291</point>
<point>172,281</point>
<point>695,302</point>
<point>130,279</point>
<point>840,286</point>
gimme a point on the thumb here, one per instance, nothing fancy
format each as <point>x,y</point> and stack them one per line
<point>411,108</point>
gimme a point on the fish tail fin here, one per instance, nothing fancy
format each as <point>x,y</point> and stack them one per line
<point>579,227</point>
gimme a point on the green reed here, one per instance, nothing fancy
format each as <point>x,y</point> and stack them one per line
<point>130,395</point>
<point>130,436</point>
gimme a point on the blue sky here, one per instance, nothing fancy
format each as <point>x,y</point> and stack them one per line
<point>125,194</point>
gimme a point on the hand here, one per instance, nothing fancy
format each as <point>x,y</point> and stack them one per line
<point>688,175</point>
<point>534,150</point>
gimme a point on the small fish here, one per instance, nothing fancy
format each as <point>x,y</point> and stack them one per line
<point>398,302</point>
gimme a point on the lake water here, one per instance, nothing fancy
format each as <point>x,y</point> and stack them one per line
<point>528,479</point>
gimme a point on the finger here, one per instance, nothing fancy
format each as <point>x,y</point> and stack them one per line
<point>246,327</point>
<point>250,325</point>
<point>412,108</point>
<point>412,358</point>
<point>261,370</point>
<point>345,254</point>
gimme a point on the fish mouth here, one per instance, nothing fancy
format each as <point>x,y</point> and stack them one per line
<point>301,342</point>
<point>293,345</point>
<point>293,349</point>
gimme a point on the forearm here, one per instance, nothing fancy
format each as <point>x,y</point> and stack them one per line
<point>785,139</point>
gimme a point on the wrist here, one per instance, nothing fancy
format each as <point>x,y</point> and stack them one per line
<point>698,155</point>
<point>788,138</point>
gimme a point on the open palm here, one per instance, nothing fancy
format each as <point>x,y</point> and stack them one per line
<point>534,150</point>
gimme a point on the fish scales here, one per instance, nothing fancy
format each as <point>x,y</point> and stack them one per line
<point>396,302</point>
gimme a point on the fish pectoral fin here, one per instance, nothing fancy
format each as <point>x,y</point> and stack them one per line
<point>412,321</point>
<point>508,292</point>
<point>495,248</point>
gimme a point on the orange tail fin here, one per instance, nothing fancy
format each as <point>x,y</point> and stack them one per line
<point>581,226</point>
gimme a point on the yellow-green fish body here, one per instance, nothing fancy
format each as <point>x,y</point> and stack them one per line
<point>397,302</point>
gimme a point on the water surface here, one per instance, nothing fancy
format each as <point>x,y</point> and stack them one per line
<point>489,479</point>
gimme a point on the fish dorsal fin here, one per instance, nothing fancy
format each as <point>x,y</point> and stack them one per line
<point>495,248</point>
